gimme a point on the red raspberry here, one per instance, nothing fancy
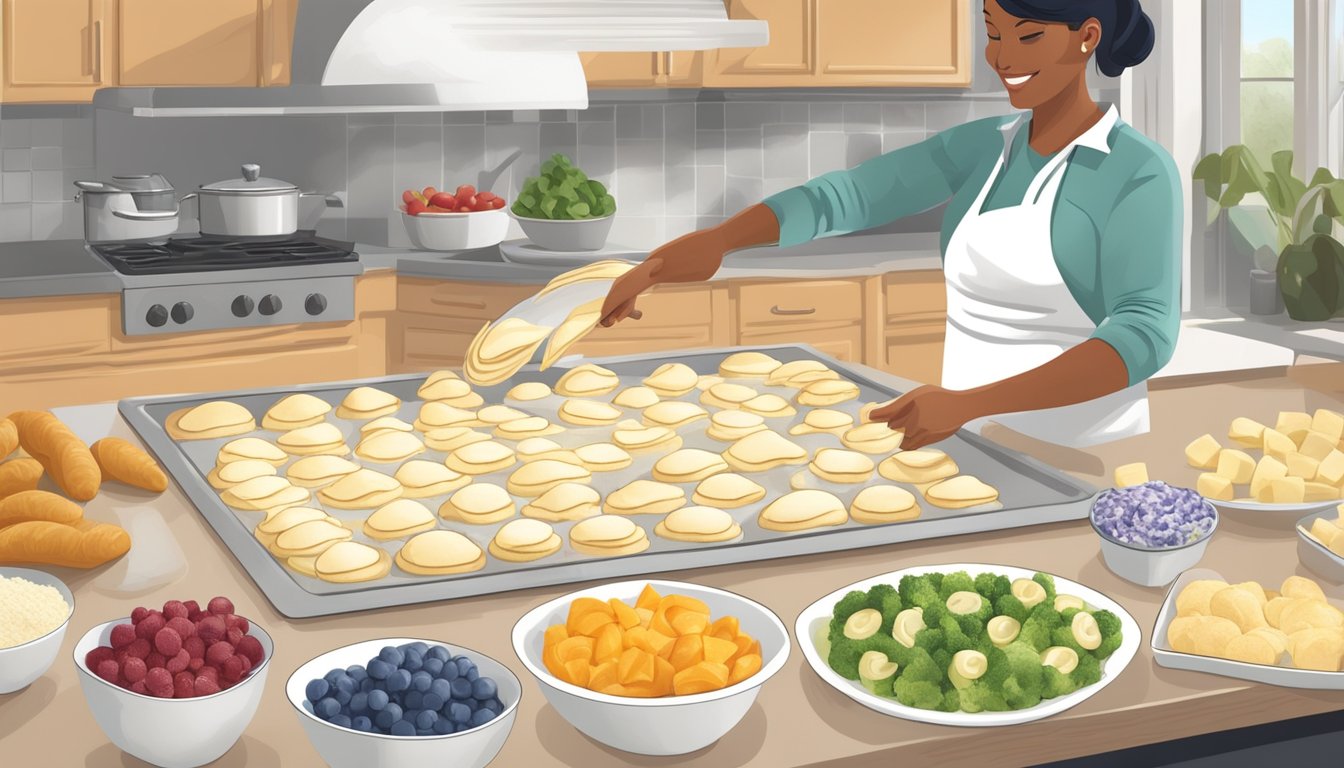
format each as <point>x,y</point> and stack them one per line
<point>139,614</point>
<point>134,669</point>
<point>167,642</point>
<point>195,616</point>
<point>122,635</point>
<point>138,687</point>
<point>140,648</point>
<point>183,627</point>
<point>233,620</point>
<point>205,686</point>
<point>194,665</point>
<point>216,654</point>
<point>175,608</point>
<point>159,683</point>
<point>220,605</point>
<point>119,656</point>
<point>194,646</point>
<point>150,625</point>
<point>184,685</point>
<point>233,635</point>
<point>210,629</point>
<point>108,670</point>
<point>250,647</point>
<point>178,663</point>
<point>247,665</point>
<point>155,659</point>
<point>101,653</point>
<point>192,606</point>
<point>210,673</point>
<point>232,669</point>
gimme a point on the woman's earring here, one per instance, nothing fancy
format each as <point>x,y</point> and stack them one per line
<point>1084,47</point>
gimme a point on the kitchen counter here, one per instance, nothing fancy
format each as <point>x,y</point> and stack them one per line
<point>53,268</point>
<point>797,719</point>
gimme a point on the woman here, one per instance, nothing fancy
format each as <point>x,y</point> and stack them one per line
<point>1061,239</point>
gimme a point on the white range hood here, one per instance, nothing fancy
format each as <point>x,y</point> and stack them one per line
<point>352,56</point>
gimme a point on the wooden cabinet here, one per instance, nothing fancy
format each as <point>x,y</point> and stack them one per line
<point>789,57</point>
<point>437,319</point>
<point>675,317</point>
<point>614,69</point>
<point>915,324</point>
<point>837,317</point>
<point>53,50</point>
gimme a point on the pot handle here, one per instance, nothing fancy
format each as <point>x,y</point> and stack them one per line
<point>144,215</point>
<point>332,201</point>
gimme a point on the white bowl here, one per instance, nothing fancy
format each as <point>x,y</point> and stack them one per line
<point>567,234</point>
<point>1152,567</point>
<point>21,664</point>
<point>347,748</point>
<point>1316,557</point>
<point>171,733</point>
<point>456,231</point>
<point>673,725</point>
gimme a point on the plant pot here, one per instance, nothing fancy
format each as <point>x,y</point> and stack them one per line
<point>1311,278</point>
<point>1265,298</point>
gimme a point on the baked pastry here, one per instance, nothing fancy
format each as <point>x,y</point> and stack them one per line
<point>524,540</point>
<point>494,415</point>
<point>603,457</point>
<point>672,379</point>
<point>581,321</point>
<point>529,391</point>
<point>479,504</point>
<point>589,413</point>
<point>481,458</point>
<point>872,438</point>
<point>295,411</point>
<point>823,420</point>
<point>961,492</point>
<point>637,398</point>
<point>727,395</point>
<point>688,465</point>
<point>367,403</point>
<point>537,448</point>
<point>727,490</point>
<point>317,471</point>
<point>264,492</point>
<point>528,426</point>
<point>398,518</point>
<point>927,465</point>
<point>644,497</point>
<point>451,390</point>
<point>803,510</point>
<point>608,536</point>
<point>427,386</point>
<point>708,380</point>
<point>769,405</point>
<point>636,437</point>
<point>349,562</point>
<point>384,423</point>
<point>537,477</point>
<point>501,349</point>
<point>762,451</point>
<point>435,415</point>
<point>361,489</point>
<point>824,392</point>
<point>421,479</point>
<point>837,465</point>
<point>309,538</point>
<point>219,418</point>
<point>440,553</point>
<point>800,380</point>
<point>781,376</point>
<point>449,439</point>
<point>607,269</point>
<point>251,448</point>
<point>756,365</point>
<point>235,472</point>
<point>879,504</point>
<point>700,525</point>
<point>277,522</point>
<point>389,446</point>
<point>324,438</point>
<point>731,426</point>
<point>587,380</point>
<point>673,414</point>
<point>564,503</point>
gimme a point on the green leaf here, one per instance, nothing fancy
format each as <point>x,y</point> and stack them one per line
<point>1209,171</point>
<point>596,187</point>
<point>548,167</point>
<point>527,201</point>
<point>548,207</point>
<point>579,210</point>
<point>561,210</point>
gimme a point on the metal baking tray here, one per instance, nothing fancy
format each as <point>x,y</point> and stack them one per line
<point>1030,493</point>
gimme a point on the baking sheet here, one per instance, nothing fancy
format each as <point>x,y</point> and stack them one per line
<point>1030,492</point>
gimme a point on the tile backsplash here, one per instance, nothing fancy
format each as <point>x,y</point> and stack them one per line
<point>43,150</point>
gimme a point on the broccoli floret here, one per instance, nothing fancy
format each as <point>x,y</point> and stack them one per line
<point>849,605</point>
<point>1109,624</point>
<point>979,697</point>
<point>936,579</point>
<point>918,591</point>
<point>954,638</point>
<point>1056,683</point>
<point>1007,605</point>
<point>942,657</point>
<point>958,581</point>
<point>1039,628</point>
<point>1064,636</point>
<point>884,599</point>
<point>933,614</point>
<point>1088,671</point>
<point>1019,697</point>
<point>951,701</point>
<point>1068,613</point>
<point>999,668</point>
<point>991,586</point>
<point>845,653</point>
<point>1047,583</point>
<point>918,693</point>
<point>930,639</point>
<point>1025,671</point>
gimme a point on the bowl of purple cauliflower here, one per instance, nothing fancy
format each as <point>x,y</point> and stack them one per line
<point>1152,532</point>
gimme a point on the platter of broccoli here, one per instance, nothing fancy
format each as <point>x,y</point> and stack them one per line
<point>563,192</point>
<point>967,644</point>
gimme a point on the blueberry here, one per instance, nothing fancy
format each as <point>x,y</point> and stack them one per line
<point>414,661</point>
<point>403,728</point>
<point>421,681</point>
<point>362,723</point>
<point>377,700</point>
<point>426,719</point>
<point>341,720</point>
<point>357,672</point>
<point>377,685</point>
<point>398,681</point>
<point>316,689</point>
<point>346,683</point>
<point>410,714</point>
<point>394,711</point>
<point>359,703</point>
<point>449,672</point>
<point>426,732</point>
<point>413,699</point>
<point>463,665</point>
<point>473,674</point>
<point>494,706</point>
<point>473,703</point>
<point>327,707</point>
<point>438,652</point>
<point>379,669</point>
<point>441,688</point>
<point>342,697</point>
<point>459,712</point>
<point>392,655</point>
<point>366,684</point>
<point>461,688</point>
<point>385,719</point>
<point>433,666</point>
<point>432,700</point>
<point>443,726</point>
<point>308,705</point>
<point>481,717</point>
<point>483,688</point>
<point>334,675</point>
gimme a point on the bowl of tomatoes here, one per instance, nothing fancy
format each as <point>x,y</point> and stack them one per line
<point>454,221</point>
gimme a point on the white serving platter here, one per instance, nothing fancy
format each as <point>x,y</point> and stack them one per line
<point>1270,509</point>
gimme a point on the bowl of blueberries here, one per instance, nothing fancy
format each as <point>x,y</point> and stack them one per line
<point>405,701</point>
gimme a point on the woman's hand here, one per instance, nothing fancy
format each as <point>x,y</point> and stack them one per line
<point>927,415</point>
<point>688,259</point>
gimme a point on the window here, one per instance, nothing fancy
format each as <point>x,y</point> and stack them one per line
<point>1267,70</point>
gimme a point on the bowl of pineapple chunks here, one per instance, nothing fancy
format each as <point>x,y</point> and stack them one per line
<point>1320,543</point>
<point>652,667</point>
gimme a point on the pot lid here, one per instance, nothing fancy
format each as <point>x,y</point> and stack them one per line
<point>142,182</point>
<point>252,181</point>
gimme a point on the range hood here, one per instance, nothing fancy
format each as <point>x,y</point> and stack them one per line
<point>352,56</point>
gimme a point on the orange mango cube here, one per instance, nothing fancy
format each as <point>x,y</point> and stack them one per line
<point>609,643</point>
<point>603,675</point>
<point>576,672</point>
<point>648,598</point>
<point>687,651</point>
<point>744,667</point>
<point>575,649</point>
<point>636,666</point>
<point>726,628</point>
<point>718,650</point>
<point>702,677</point>
<point>625,615</point>
<point>687,622</point>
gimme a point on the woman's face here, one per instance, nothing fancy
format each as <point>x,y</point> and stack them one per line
<point>1036,61</point>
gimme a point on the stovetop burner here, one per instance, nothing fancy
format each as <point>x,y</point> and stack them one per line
<point>214,254</point>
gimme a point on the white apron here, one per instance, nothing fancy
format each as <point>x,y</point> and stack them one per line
<point>1009,310</point>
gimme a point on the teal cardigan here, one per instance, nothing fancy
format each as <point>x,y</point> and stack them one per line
<point>1116,228</point>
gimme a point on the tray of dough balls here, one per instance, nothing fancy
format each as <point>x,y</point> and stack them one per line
<point>348,496</point>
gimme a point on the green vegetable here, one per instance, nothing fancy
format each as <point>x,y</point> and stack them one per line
<point>849,605</point>
<point>1039,628</point>
<point>1057,683</point>
<point>563,192</point>
<point>992,586</point>
<point>918,591</point>
<point>981,697</point>
<point>1007,605</point>
<point>956,582</point>
<point>885,599</point>
<point>1047,583</point>
<point>845,653</point>
<point>1109,624</point>
<point>919,683</point>
<point>951,701</point>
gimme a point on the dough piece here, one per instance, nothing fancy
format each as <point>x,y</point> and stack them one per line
<point>389,446</point>
<point>449,439</point>
<point>427,385</point>
<point>608,536</point>
<point>235,472</point>
<point>383,424</point>
<point>479,504</point>
<point>367,403</point>
<point>803,510</point>
<point>879,504</point>
<point>309,538</point>
<point>317,471</point>
<point>1194,599</point>
<point>537,477</point>
<point>1302,588</point>
<point>825,392</point>
<point>436,415</point>
<point>494,415</point>
<point>398,518</point>
<point>277,523</point>
<point>264,492</point>
<point>731,426</point>
<point>961,492</point>
<point>927,465</point>
<point>529,391</point>
<point>1201,635</point>
<point>589,413</point>
<point>769,405</point>
<point>1308,614</point>
<point>673,414</point>
<point>672,379</point>
<point>1251,649</point>
<point>522,541</point>
<point>823,420</point>
<point>1247,432</point>
<point>440,553</point>
<point>1238,606</point>
<point>688,465</point>
<point>780,376</point>
<point>500,349</point>
<point>587,380</point>
<point>538,448</point>
<point>763,451</point>
<point>564,503</point>
<point>867,409</point>
<point>361,489</point>
<point>581,321</point>
<point>1277,639</point>
<point>481,458</point>
<point>705,382</point>
<point>637,398</point>
<point>349,562</point>
<point>528,426</point>
<point>603,457</point>
<point>727,395</point>
<point>607,269</point>
<point>754,365</point>
<point>1320,649</point>
<point>837,465</point>
<point>251,448</point>
<point>295,411</point>
<point>644,497</point>
<point>872,438</point>
<point>641,438</point>
<point>700,525</point>
<point>319,439</point>
<point>421,479</point>
<point>448,388</point>
<point>206,421</point>
<point>727,490</point>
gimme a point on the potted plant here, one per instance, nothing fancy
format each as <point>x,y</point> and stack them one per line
<point>1309,267</point>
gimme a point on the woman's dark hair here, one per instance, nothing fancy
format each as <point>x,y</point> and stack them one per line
<point>1127,34</point>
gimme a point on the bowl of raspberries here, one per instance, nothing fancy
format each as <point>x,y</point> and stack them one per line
<point>175,686</point>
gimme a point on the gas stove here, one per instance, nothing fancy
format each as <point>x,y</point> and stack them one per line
<point>183,284</point>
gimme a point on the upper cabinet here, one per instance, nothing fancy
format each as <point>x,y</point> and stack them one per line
<point>788,59</point>
<point>169,42</point>
<point>681,69</point>
<point>53,50</point>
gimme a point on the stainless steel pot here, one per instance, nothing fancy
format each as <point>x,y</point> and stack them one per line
<point>251,206</point>
<point>114,212</point>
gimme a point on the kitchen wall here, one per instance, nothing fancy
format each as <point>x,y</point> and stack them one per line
<point>43,150</point>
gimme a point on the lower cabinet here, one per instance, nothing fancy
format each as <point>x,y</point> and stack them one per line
<point>915,324</point>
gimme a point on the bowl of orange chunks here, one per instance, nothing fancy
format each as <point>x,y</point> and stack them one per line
<point>652,667</point>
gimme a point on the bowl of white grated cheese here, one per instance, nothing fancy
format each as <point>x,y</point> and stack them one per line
<point>35,609</point>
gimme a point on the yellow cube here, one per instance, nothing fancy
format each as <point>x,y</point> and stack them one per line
<point>1236,466</point>
<point>1292,421</point>
<point>1324,531</point>
<point>1278,445</point>
<point>1318,445</point>
<point>1286,490</point>
<point>1320,492</point>
<point>1332,468</point>
<point>1302,465</point>
<point>1247,432</point>
<point>1266,471</point>
<point>1329,423</point>
<point>1216,487</point>
<point>1203,452</point>
<point>1131,474</point>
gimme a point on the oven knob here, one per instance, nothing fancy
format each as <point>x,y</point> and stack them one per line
<point>242,306</point>
<point>269,304</point>
<point>315,304</point>
<point>182,312</point>
<point>157,316</point>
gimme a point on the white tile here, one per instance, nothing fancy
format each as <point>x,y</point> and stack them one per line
<point>774,186</point>
<point>794,112</point>
<point>741,193</point>
<point>709,116</point>
<point>16,187</point>
<point>903,115</point>
<point>652,120</point>
<point>941,115</point>
<point>597,150</point>
<point>77,142</point>
<point>18,159</point>
<point>639,177</point>
<point>786,150</point>
<point>679,195</point>
<point>559,138</point>
<point>750,115</point>
<point>676,226</point>
<point>861,147</point>
<point>637,231</point>
<point>629,121</point>
<point>826,152</point>
<point>15,222</point>
<point>46,220</point>
<point>709,147</point>
<point>709,190</point>
<point>49,186</point>
<point>828,116</point>
<point>893,140</point>
<point>527,116</point>
<point>371,200</point>
<point>16,132</point>
<point>863,116</point>
<point>742,153</point>
<point>463,154</point>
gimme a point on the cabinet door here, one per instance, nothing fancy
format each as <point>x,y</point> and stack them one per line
<point>171,42</point>
<point>618,69</point>
<point>893,42</point>
<point>53,50</point>
<point>277,40</point>
<point>786,60</point>
<point>683,69</point>
<point>915,352</point>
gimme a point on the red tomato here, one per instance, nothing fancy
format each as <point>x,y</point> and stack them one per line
<point>467,202</point>
<point>429,192</point>
<point>487,196</point>
<point>411,194</point>
<point>443,200</point>
<point>416,207</point>
<point>466,190</point>
<point>497,203</point>
<point>438,209</point>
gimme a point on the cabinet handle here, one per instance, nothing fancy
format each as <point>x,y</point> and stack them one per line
<point>775,310</point>
<point>98,52</point>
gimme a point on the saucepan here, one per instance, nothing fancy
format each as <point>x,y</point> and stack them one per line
<point>256,206</point>
<point>128,208</point>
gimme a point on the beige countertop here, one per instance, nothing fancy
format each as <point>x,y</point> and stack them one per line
<point>797,719</point>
